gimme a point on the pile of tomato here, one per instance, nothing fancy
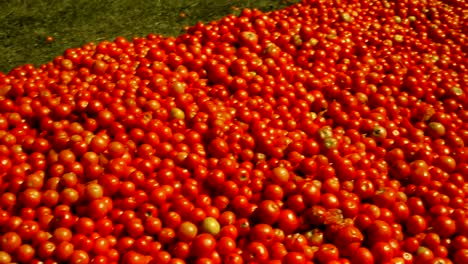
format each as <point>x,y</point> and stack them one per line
<point>326,132</point>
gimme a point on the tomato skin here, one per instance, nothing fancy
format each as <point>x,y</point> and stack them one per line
<point>64,251</point>
<point>233,258</point>
<point>327,253</point>
<point>460,256</point>
<point>10,242</point>
<point>444,226</point>
<point>382,252</point>
<point>25,253</point>
<point>363,255</point>
<point>349,235</point>
<point>416,224</point>
<point>294,257</point>
<point>379,231</point>
<point>267,212</point>
<point>262,233</point>
<point>218,148</point>
<point>423,254</point>
<point>5,257</point>
<point>256,251</point>
<point>288,221</point>
<point>203,245</point>
<point>133,257</point>
<point>79,256</point>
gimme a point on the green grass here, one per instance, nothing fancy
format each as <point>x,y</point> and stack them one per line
<point>25,24</point>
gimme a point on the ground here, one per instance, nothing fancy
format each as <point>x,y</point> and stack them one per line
<point>36,31</point>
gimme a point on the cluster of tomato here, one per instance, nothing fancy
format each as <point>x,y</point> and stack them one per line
<point>326,132</point>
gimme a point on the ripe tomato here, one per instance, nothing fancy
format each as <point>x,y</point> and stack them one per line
<point>326,253</point>
<point>10,242</point>
<point>328,132</point>
<point>203,245</point>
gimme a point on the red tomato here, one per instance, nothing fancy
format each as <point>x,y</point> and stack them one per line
<point>203,245</point>
<point>328,132</point>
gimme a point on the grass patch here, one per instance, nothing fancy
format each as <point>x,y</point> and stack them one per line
<point>27,23</point>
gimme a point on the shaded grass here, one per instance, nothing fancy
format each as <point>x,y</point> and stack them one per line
<point>25,24</point>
